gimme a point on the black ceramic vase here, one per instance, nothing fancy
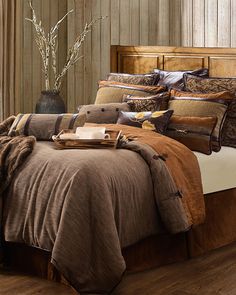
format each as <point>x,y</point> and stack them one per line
<point>50,102</point>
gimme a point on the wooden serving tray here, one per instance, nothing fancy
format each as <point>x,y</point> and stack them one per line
<point>87,143</point>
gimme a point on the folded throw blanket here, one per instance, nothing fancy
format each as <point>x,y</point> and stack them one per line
<point>13,152</point>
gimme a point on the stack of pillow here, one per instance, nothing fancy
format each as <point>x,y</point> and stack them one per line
<point>185,105</point>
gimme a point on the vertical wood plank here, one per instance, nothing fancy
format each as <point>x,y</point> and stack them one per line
<point>71,72</point>
<point>163,27</point>
<point>233,23</point>
<point>152,8</point>
<point>96,47</point>
<point>88,55</point>
<point>198,23</point>
<point>186,23</point>
<point>175,23</point>
<point>78,98</point>
<point>135,22</point>
<point>105,38</point>
<point>62,45</point>
<point>211,23</point>
<point>144,28</point>
<point>27,56</point>
<point>36,60</point>
<point>224,23</point>
<point>115,22</point>
<point>125,22</point>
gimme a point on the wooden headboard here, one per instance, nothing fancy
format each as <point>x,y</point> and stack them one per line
<point>143,59</point>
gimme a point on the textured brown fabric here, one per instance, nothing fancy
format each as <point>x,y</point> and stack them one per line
<point>200,107</point>
<point>103,113</point>
<point>206,85</point>
<point>194,132</point>
<point>175,78</point>
<point>156,121</point>
<point>110,91</point>
<point>137,79</point>
<point>194,83</point>
<point>79,193</point>
<point>210,95</point>
<point>151,103</point>
<point>44,126</point>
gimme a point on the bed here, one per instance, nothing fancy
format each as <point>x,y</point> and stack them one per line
<point>220,198</point>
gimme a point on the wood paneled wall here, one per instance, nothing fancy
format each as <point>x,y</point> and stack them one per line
<point>194,23</point>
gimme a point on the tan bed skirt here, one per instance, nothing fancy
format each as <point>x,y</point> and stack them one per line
<point>218,230</point>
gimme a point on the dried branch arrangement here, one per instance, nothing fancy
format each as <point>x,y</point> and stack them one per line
<point>48,43</point>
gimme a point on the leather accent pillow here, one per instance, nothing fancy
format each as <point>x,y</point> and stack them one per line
<point>200,107</point>
<point>110,91</point>
<point>149,103</point>
<point>136,79</point>
<point>44,126</point>
<point>175,78</point>
<point>210,95</point>
<point>156,121</point>
<point>103,113</point>
<point>194,132</point>
<point>206,85</point>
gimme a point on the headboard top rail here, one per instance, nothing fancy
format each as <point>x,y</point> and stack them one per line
<point>221,62</point>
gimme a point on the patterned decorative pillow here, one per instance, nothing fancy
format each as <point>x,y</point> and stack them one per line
<point>103,113</point>
<point>149,103</point>
<point>136,79</point>
<point>206,85</point>
<point>175,78</point>
<point>157,121</point>
<point>200,107</point>
<point>110,91</point>
<point>193,83</point>
<point>194,132</point>
<point>44,126</point>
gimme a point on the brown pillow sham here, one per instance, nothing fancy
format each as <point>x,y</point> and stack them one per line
<point>210,95</point>
<point>103,113</point>
<point>156,121</point>
<point>206,85</point>
<point>136,79</point>
<point>194,132</point>
<point>149,103</point>
<point>175,78</point>
<point>110,91</point>
<point>44,126</point>
<point>200,107</point>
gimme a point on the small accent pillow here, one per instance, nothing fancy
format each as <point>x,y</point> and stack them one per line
<point>110,91</point>
<point>176,78</point>
<point>44,126</point>
<point>157,121</point>
<point>211,84</point>
<point>103,113</point>
<point>194,132</point>
<point>149,103</point>
<point>136,79</point>
<point>200,107</point>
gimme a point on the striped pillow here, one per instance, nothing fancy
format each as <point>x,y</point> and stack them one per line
<point>44,126</point>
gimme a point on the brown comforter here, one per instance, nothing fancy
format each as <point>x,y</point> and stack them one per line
<point>85,205</point>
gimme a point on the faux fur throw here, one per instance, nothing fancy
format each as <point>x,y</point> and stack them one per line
<point>13,152</point>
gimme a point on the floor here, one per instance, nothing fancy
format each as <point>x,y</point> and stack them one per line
<point>212,274</point>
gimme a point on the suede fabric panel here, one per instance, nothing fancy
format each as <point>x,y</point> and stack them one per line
<point>194,132</point>
<point>193,106</point>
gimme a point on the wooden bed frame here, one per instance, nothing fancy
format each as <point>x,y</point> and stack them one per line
<point>218,230</point>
